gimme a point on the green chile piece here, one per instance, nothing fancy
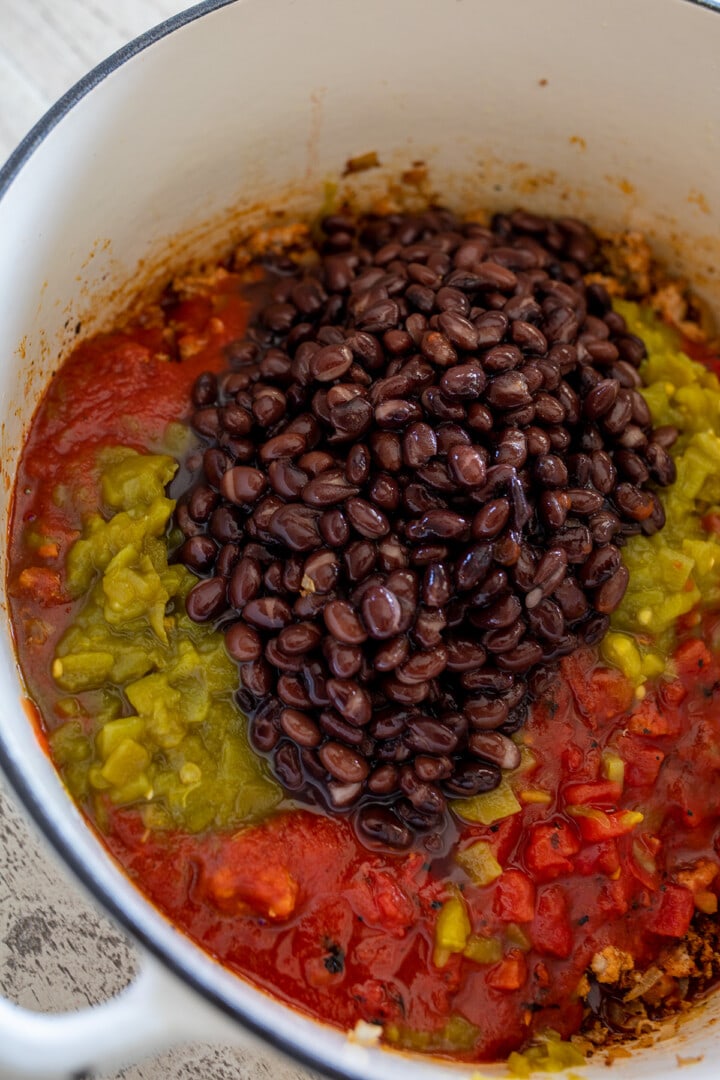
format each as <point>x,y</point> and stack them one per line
<point>152,719</point>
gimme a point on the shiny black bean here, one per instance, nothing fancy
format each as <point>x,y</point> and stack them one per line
<point>473,778</point>
<point>296,526</point>
<point>491,520</point>
<point>496,748</point>
<point>199,553</point>
<point>379,826</point>
<point>207,599</point>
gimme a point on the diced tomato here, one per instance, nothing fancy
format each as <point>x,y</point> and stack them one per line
<point>43,584</point>
<point>572,759</point>
<point>692,657</point>
<point>593,793</point>
<point>248,884</point>
<point>671,693</point>
<point>550,848</point>
<point>648,719</point>
<point>377,1002</point>
<point>551,929</point>
<point>613,694</point>
<point>514,899</point>
<point>510,974</point>
<point>642,762</point>
<point>672,917</point>
<point>614,897</point>
<point>602,694</point>
<point>395,908</point>
<point>602,858</point>
<point>504,837</point>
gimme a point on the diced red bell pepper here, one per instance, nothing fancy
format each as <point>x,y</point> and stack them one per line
<point>672,917</point>
<point>510,974</point>
<point>593,793</point>
<point>514,899</point>
<point>550,848</point>
<point>551,930</point>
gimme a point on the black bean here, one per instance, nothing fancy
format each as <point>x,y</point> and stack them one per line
<point>328,488</point>
<point>468,465</point>
<point>366,518</point>
<point>334,528</point>
<point>287,479</point>
<point>244,583</point>
<point>472,778</point>
<point>380,826</point>
<point>464,654</point>
<point>422,666</point>
<point>496,748</point>
<point>257,677</point>
<point>289,444</point>
<point>267,613</point>
<point>491,520</point>
<point>571,599</point>
<point>300,727</point>
<point>472,566</point>
<point>660,463</point>
<point>633,502</point>
<point>611,592</point>
<point>486,713</point>
<point>457,397</point>
<point>429,629</point>
<point>508,391</point>
<point>296,526</point>
<point>430,737</point>
<point>264,733</point>
<point>342,762</point>
<point>343,623</point>
<point>547,621</point>
<point>502,613</point>
<point>494,586</point>
<point>505,639</point>
<point>207,599</point>
<point>199,553</point>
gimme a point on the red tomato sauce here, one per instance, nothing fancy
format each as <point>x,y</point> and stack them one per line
<point>358,942</point>
<point>297,904</point>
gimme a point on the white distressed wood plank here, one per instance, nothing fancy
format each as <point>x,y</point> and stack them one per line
<point>50,44</point>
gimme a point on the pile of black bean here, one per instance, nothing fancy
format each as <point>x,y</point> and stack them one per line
<point>420,467</point>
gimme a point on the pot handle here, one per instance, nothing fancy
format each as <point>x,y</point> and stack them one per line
<point>154,1013</point>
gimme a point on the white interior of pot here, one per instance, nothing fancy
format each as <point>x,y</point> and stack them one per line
<point>603,110</point>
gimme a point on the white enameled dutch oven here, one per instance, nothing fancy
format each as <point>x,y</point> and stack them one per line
<point>607,110</point>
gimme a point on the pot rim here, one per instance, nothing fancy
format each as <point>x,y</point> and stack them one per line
<point>81,866</point>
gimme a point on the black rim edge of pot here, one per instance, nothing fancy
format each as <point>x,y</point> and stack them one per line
<point>78,865</point>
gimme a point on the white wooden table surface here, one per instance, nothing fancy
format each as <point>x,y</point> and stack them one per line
<point>56,952</point>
